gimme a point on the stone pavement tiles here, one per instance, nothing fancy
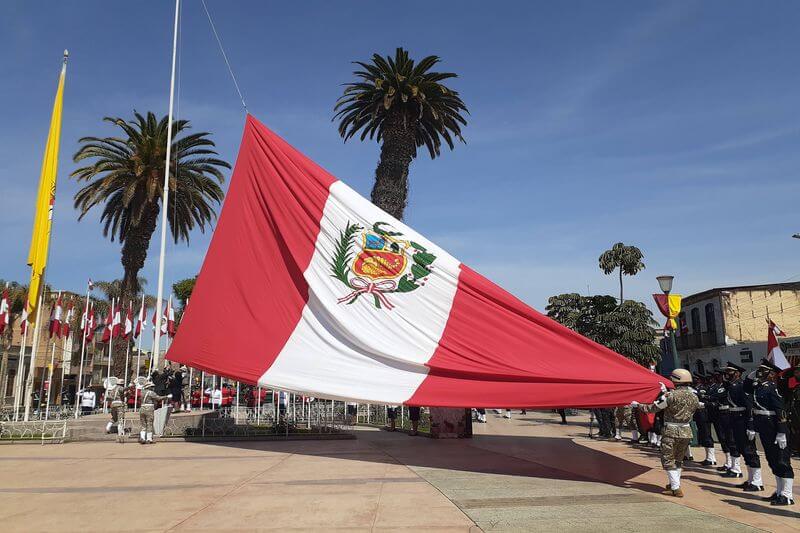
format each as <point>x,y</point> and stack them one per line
<point>526,474</point>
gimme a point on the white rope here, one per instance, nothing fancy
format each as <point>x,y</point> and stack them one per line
<point>224,55</point>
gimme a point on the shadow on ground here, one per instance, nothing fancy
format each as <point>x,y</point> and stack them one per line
<point>489,454</point>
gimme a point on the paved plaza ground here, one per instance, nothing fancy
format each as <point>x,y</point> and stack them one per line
<point>524,474</point>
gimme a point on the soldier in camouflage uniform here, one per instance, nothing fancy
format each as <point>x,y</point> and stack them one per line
<point>147,412</point>
<point>678,407</point>
<point>118,395</point>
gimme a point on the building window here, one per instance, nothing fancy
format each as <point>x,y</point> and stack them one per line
<point>715,363</point>
<point>747,356</point>
<point>701,367</point>
<point>711,321</point>
<point>695,321</point>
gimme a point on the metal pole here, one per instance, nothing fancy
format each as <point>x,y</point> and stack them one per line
<point>49,384</point>
<point>258,407</point>
<point>165,197</point>
<point>29,379</point>
<point>237,402</point>
<point>18,381</point>
<point>110,347</point>
<point>85,322</point>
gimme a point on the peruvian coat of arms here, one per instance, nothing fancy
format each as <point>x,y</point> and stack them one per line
<point>378,262</point>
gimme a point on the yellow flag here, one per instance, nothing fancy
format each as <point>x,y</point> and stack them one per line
<point>45,199</point>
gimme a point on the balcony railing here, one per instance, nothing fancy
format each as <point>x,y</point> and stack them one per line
<point>692,341</point>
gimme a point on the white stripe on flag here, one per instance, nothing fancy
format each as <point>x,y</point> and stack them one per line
<point>385,348</point>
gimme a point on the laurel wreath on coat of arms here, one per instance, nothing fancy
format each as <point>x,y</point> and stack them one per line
<point>379,262</point>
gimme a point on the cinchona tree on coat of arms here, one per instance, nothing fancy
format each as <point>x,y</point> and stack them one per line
<point>378,262</point>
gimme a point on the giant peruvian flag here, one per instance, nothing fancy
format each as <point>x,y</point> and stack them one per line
<point>309,287</point>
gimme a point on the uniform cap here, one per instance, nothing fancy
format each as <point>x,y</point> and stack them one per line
<point>766,364</point>
<point>733,367</point>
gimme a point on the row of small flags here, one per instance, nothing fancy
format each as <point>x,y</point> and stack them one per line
<point>113,326</point>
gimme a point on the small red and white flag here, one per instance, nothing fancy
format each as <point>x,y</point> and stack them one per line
<point>128,329</point>
<point>116,321</point>
<point>23,324</point>
<point>4,311</point>
<point>774,353</point>
<point>55,318</point>
<point>65,326</point>
<point>170,318</point>
<point>140,321</point>
<point>89,324</point>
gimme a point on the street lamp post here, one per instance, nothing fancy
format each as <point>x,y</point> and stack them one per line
<point>665,282</point>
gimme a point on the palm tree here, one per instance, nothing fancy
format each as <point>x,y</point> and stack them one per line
<point>126,176</point>
<point>628,259</point>
<point>403,105</point>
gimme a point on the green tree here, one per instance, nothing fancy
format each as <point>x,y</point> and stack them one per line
<point>626,259</point>
<point>126,176</point>
<point>17,295</point>
<point>183,289</point>
<point>403,105</point>
<point>627,328</point>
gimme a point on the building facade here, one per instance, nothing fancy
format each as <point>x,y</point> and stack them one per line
<point>729,324</point>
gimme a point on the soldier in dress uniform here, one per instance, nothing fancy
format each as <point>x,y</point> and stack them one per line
<point>717,407</point>
<point>117,394</point>
<point>147,411</point>
<point>678,406</point>
<point>702,421</point>
<point>789,387</point>
<point>740,404</point>
<point>769,418</point>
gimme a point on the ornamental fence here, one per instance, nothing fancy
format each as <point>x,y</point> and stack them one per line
<point>43,432</point>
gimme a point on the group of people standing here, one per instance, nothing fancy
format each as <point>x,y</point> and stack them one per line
<point>740,408</point>
<point>118,395</point>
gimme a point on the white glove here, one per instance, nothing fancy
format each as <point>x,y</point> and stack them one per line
<point>780,440</point>
<point>169,395</point>
<point>663,387</point>
<point>751,435</point>
<point>634,404</point>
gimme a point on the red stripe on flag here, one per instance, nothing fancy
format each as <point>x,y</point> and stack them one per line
<point>498,352</point>
<point>265,236</point>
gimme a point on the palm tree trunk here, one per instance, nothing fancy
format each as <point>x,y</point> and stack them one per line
<point>620,287</point>
<point>390,191</point>
<point>134,255</point>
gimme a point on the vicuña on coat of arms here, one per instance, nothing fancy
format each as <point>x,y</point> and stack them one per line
<point>378,262</point>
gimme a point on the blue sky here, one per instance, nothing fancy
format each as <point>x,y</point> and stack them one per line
<point>672,126</point>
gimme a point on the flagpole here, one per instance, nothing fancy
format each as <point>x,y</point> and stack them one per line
<point>110,325</point>
<point>128,347</point>
<point>202,388</point>
<point>36,331</point>
<point>49,384</point>
<point>141,326</point>
<point>165,198</point>
<point>18,381</point>
<point>84,334</point>
<point>237,403</point>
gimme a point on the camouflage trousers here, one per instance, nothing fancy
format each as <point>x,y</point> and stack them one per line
<point>118,417</point>
<point>186,397</point>
<point>673,450</point>
<point>146,416</point>
<point>118,414</point>
<point>624,417</point>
